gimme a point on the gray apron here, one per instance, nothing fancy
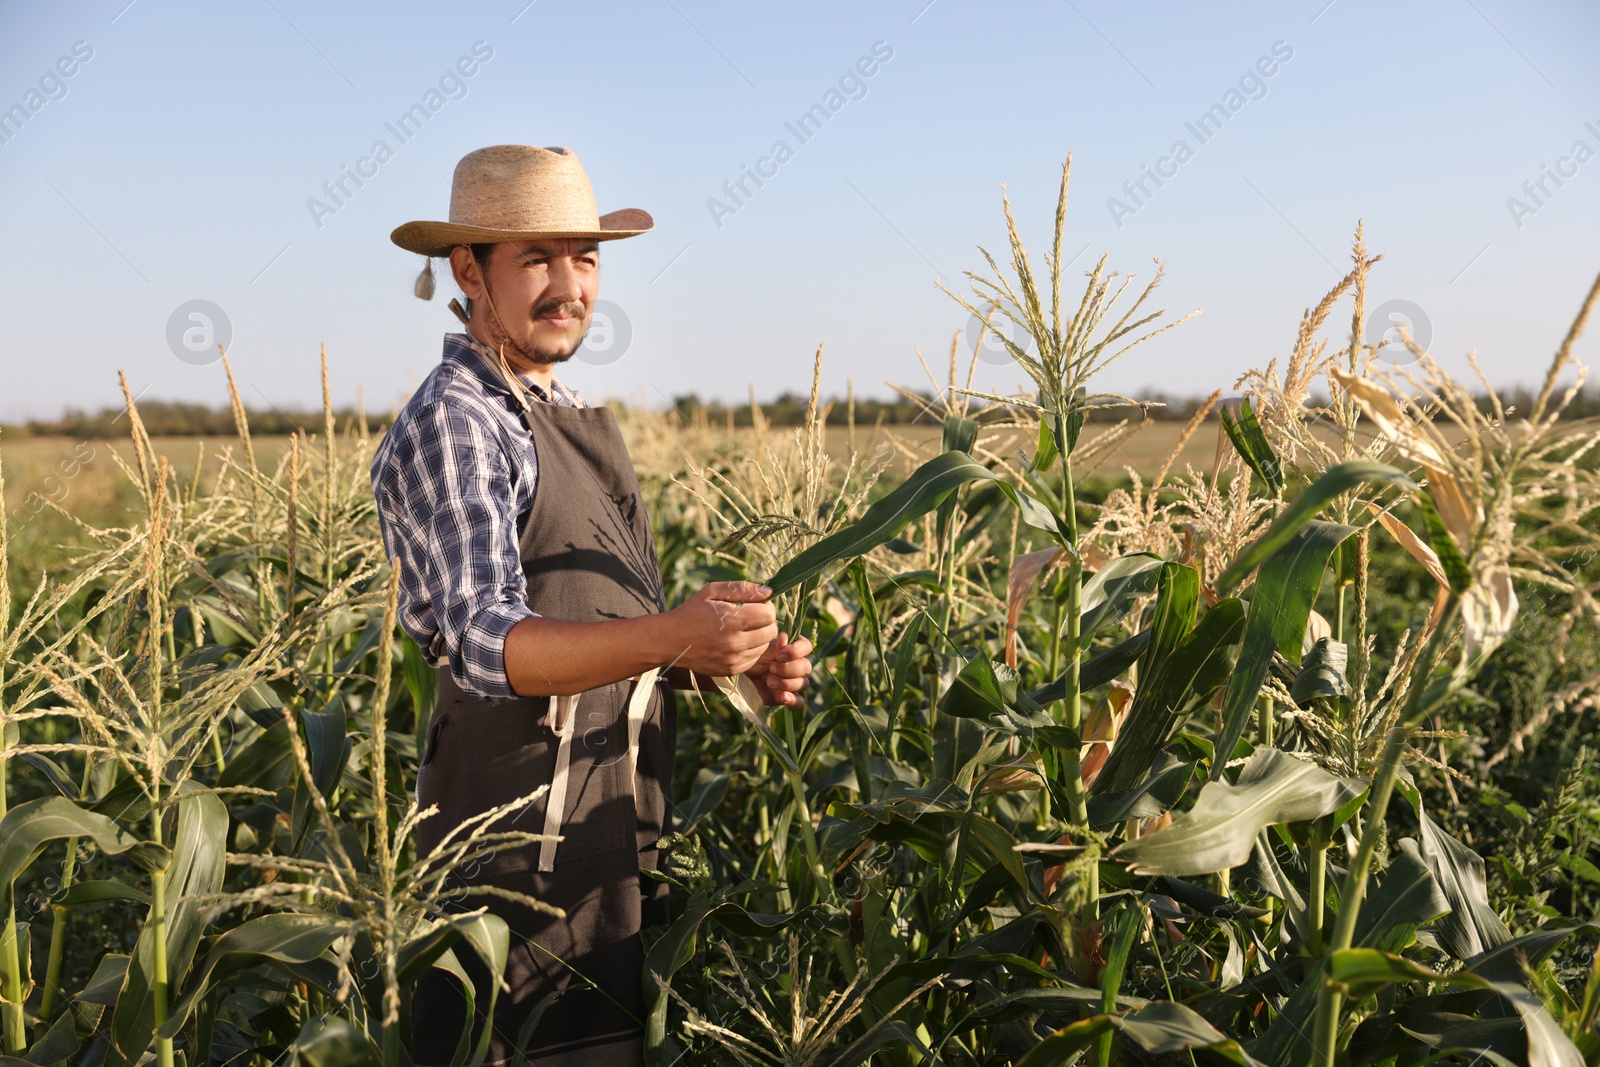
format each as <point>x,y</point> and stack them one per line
<point>588,555</point>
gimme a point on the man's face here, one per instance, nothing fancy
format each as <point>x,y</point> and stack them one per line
<point>544,291</point>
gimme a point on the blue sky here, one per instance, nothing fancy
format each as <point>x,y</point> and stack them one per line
<point>177,161</point>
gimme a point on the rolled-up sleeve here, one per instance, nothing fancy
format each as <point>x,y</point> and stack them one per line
<point>462,509</point>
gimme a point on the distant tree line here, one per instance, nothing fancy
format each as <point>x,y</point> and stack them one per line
<point>789,409</point>
<point>178,418</point>
<point>172,418</point>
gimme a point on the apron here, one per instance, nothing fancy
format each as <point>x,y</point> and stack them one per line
<point>588,555</point>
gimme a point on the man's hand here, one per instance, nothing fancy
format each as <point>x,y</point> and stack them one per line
<point>781,673</point>
<point>723,630</point>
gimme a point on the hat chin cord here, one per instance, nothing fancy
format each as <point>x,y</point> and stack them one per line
<point>519,389</point>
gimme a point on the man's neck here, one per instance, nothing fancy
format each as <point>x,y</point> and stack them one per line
<point>541,373</point>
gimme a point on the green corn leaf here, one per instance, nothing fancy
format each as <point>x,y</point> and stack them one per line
<point>884,519</point>
<point>1269,874</point>
<point>334,1041</point>
<point>1444,546</point>
<point>868,604</point>
<point>1070,422</point>
<point>970,964</point>
<point>1162,1029</point>
<point>450,964</point>
<point>1505,962</point>
<point>105,982</point>
<point>53,773</point>
<point>992,838</point>
<point>1244,430</point>
<point>776,746</point>
<point>1472,927</point>
<point>1335,480</point>
<point>1047,451</point>
<point>1280,604</point>
<point>1219,831</point>
<point>708,790</point>
<point>265,762</point>
<point>1198,663</point>
<point>1205,902</point>
<point>59,1042</point>
<point>958,434</point>
<point>1322,674</point>
<point>530,1024</point>
<point>1128,923</point>
<point>1013,943</point>
<point>1406,898</point>
<point>905,656</point>
<point>90,1003</point>
<point>1098,669</point>
<point>1177,600</point>
<point>328,749</point>
<point>487,936</point>
<point>911,499</point>
<point>1345,564</point>
<point>370,636</point>
<point>887,1033</point>
<point>28,827</point>
<point>99,891</point>
<point>1109,595</point>
<point>122,799</point>
<point>744,923</point>
<point>490,938</point>
<point>1024,1003</point>
<point>925,818</point>
<point>1414,1034</point>
<point>281,938</point>
<point>1365,971</point>
<point>982,689</point>
<point>977,896</point>
<point>1157,793</point>
<point>422,684</point>
<point>197,869</point>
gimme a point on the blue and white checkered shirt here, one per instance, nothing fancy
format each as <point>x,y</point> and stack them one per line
<point>454,479</point>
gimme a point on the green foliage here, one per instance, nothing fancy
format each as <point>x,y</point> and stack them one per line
<point>1154,826</point>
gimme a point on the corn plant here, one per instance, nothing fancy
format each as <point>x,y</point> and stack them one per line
<point>1096,768</point>
<point>1147,814</point>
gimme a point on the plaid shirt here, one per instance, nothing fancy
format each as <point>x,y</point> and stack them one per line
<point>454,479</point>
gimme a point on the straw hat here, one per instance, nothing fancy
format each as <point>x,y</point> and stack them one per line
<point>514,192</point>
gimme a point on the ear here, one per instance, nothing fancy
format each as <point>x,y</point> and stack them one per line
<point>467,274</point>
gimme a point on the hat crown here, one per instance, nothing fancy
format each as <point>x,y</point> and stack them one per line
<point>516,192</point>
<point>521,187</point>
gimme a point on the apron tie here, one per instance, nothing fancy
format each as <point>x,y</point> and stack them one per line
<point>564,713</point>
<point>638,708</point>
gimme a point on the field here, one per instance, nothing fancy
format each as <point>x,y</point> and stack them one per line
<point>1276,750</point>
<point>83,477</point>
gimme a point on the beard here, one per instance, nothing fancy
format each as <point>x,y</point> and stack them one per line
<point>535,353</point>
<point>552,351</point>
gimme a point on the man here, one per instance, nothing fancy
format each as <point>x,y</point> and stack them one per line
<point>530,578</point>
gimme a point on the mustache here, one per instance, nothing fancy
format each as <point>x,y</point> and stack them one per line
<point>570,308</point>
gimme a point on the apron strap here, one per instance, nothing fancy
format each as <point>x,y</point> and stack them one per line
<point>564,717</point>
<point>564,712</point>
<point>638,708</point>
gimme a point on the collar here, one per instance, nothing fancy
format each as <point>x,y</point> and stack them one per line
<point>484,363</point>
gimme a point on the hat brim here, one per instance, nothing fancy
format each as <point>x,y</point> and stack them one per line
<point>438,238</point>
